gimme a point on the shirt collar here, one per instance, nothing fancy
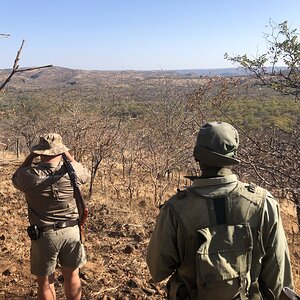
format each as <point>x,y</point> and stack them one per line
<point>200,182</point>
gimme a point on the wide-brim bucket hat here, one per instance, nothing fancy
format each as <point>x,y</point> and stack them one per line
<point>50,144</point>
<point>217,144</point>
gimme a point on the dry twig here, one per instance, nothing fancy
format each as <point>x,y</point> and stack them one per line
<point>16,69</point>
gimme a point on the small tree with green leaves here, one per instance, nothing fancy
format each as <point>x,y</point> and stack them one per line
<point>279,67</point>
<point>276,161</point>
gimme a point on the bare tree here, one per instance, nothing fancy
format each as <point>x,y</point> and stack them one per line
<point>15,68</point>
<point>167,140</point>
<point>103,135</point>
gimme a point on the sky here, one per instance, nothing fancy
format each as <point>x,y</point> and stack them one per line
<point>138,34</point>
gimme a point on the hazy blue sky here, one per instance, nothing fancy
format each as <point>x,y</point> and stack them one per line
<point>137,34</point>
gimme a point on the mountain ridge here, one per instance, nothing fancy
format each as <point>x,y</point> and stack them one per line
<point>56,76</point>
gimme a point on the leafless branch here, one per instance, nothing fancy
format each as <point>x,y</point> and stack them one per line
<point>16,69</point>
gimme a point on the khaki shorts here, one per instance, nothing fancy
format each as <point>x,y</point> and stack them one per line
<point>62,245</point>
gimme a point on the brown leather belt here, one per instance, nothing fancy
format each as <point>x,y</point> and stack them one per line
<point>59,225</point>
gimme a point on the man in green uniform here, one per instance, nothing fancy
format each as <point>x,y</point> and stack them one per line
<point>220,238</point>
<point>53,216</point>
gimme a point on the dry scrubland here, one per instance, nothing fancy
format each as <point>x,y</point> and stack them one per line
<point>135,132</point>
<point>116,241</point>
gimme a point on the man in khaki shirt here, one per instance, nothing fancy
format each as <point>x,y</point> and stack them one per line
<point>53,216</point>
<point>220,238</point>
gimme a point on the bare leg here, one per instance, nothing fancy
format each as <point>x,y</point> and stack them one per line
<point>46,290</point>
<point>72,283</point>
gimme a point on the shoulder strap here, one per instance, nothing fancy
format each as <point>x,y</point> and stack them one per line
<point>219,204</point>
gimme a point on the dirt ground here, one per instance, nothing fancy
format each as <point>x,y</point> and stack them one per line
<point>116,241</point>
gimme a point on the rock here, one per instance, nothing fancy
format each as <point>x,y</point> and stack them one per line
<point>9,271</point>
<point>129,249</point>
<point>137,238</point>
<point>149,291</point>
<point>115,234</point>
<point>142,204</point>
<point>132,283</point>
<point>4,249</point>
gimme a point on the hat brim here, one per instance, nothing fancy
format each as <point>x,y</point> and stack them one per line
<point>54,151</point>
<point>214,159</point>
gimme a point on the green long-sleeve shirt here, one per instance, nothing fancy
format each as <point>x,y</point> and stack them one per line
<point>173,244</point>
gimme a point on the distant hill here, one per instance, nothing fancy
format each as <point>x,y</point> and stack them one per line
<point>62,77</point>
<point>212,72</point>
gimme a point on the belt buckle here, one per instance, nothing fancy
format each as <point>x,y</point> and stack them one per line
<point>60,225</point>
<point>63,224</point>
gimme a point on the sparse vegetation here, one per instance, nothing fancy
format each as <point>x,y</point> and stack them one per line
<point>138,149</point>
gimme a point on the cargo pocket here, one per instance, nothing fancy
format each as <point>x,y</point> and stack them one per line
<point>223,262</point>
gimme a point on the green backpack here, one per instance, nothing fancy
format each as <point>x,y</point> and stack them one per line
<point>223,260</point>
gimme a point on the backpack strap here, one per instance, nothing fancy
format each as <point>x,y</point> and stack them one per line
<point>220,210</point>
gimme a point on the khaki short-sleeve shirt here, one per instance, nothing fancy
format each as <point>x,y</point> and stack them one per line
<point>48,191</point>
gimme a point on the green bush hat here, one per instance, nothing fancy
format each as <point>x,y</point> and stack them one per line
<point>217,144</point>
<point>50,144</point>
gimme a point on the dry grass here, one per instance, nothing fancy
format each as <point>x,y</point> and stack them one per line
<point>117,235</point>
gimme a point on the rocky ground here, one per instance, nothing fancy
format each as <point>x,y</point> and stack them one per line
<point>116,241</point>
